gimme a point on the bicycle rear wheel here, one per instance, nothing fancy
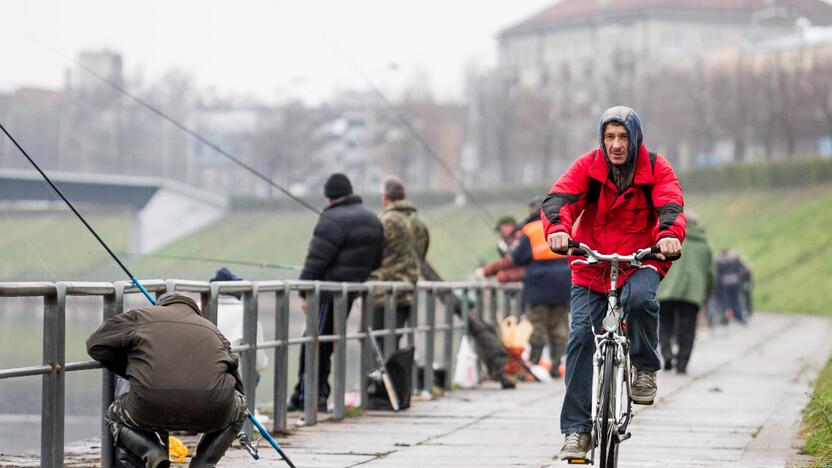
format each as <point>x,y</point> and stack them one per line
<point>609,450</point>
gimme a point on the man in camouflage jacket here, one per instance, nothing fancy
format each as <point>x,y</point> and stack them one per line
<point>405,246</point>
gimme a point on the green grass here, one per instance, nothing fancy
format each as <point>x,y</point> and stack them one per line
<point>783,234</point>
<point>819,421</point>
<point>55,246</point>
<point>785,237</point>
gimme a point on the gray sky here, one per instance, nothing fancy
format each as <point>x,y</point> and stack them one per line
<point>267,48</point>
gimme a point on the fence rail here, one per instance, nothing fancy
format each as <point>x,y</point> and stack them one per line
<point>481,300</point>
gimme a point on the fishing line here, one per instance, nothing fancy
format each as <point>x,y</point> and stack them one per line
<point>176,123</point>
<point>487,217</point>
<point>278,266</point>
<point>133,279</point>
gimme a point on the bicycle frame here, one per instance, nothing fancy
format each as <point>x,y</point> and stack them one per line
<point>612,334</point>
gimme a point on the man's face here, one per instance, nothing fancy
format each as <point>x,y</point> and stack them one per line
<point>616,143</point>
<point>506,231</point>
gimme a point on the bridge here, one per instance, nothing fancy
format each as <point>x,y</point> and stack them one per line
<point>740,405</point>
<point>186,208</point>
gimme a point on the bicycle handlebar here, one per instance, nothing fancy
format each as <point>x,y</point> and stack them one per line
<point>583,250</point>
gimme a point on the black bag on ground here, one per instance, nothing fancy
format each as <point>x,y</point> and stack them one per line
<point>400,368</point>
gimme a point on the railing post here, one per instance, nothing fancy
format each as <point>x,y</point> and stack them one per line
<point>493,306</point>
<point>479,303</point>
<point>310,370</point>
<point>281,359</point>
<point>366,347</point>
<point>212,306</point>
<point>390,322</point>
<point>448,350</point>
<point>430,338</point>
<point>250,309</point>
<point>506,302</point>
<point>53,384</point>
<point>340,368</point>
<point>113,304</point>
<point>413,321</point>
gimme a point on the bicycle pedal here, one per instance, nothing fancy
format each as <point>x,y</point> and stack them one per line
<point>579,461</point>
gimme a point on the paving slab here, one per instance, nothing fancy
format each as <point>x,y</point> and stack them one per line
<point>739,405</point>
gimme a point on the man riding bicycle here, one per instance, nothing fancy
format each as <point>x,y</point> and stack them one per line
<point>618,198</point>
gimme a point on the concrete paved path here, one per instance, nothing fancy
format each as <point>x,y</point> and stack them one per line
<point>739,406</point>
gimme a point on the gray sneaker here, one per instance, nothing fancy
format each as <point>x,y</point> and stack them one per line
<point>644,387</point>
<point>576,445</point>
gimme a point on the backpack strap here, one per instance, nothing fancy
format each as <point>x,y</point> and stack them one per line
<point>648,189</point>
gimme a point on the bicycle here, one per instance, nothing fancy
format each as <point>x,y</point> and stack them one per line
<point>612,405</point>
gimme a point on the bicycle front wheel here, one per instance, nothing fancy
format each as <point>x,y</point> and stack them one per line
<point>609,450</point>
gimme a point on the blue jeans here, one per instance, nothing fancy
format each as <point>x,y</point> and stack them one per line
<point>641,309</point>
<point>729,297</point>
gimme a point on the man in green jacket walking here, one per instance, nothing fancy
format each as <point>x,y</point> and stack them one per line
<point>682,293</point>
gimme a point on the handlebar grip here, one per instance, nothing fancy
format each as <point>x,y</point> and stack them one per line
<point>654,257</point>
<point>656,249</point>
<point>574,244</point>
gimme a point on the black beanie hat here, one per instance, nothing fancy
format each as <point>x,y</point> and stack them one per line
<point>224,274</point>
<point>337,185</point>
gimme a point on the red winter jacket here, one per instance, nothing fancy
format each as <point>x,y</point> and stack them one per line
<point>615,223</point>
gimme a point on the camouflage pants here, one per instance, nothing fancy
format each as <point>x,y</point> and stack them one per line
<point>551,324</point>
<point>118,416</point>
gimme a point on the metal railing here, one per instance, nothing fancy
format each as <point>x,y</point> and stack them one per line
<point>482,300</point>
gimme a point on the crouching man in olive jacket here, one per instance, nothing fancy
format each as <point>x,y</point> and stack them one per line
<point>183,377</point>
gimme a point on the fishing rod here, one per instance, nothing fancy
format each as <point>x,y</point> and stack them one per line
<point>130,275</point>
<point>486,215</point>
<point>278,266</point>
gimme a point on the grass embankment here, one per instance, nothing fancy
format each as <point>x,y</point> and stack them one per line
<point>784,234</point>
<point>55,246</point>
<point>819,421</point>
<point>785,237</point>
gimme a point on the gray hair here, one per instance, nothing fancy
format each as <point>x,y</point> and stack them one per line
<point>393,188</point>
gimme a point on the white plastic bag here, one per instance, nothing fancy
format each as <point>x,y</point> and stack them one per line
<point>466,373</point>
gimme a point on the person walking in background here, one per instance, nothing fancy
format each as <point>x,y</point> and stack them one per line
<point>405,246</point>
<point>729,271</point>
<point>681,295</point>
<point>230,318</point>
<point>346,246</point>
<point>547,284</point>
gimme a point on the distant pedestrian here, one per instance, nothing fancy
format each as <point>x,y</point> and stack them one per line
<point>547,283</point>
<point>406,240</point>
<point>729,272</point>
<point>230,318</point>
<point>346,246</point>
<point>684,291</point>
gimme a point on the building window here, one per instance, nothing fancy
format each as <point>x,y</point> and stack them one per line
<point>671,42</point>
<point>711,40</point>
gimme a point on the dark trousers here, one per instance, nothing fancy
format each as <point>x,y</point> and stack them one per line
<point>638,297</point>
<point>729,297</point>
<point>326,326</point>
<point>401,313</point>
<point>677,319</point>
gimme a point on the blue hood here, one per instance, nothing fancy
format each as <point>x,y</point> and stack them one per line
<point>627,117</point>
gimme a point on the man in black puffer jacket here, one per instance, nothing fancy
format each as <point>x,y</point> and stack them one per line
<point>346,246</point>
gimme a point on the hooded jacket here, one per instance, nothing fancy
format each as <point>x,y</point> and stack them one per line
<point>346,244</point>
<point>614,220</point>
<point>691,279</point>
<point>182,373</point>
